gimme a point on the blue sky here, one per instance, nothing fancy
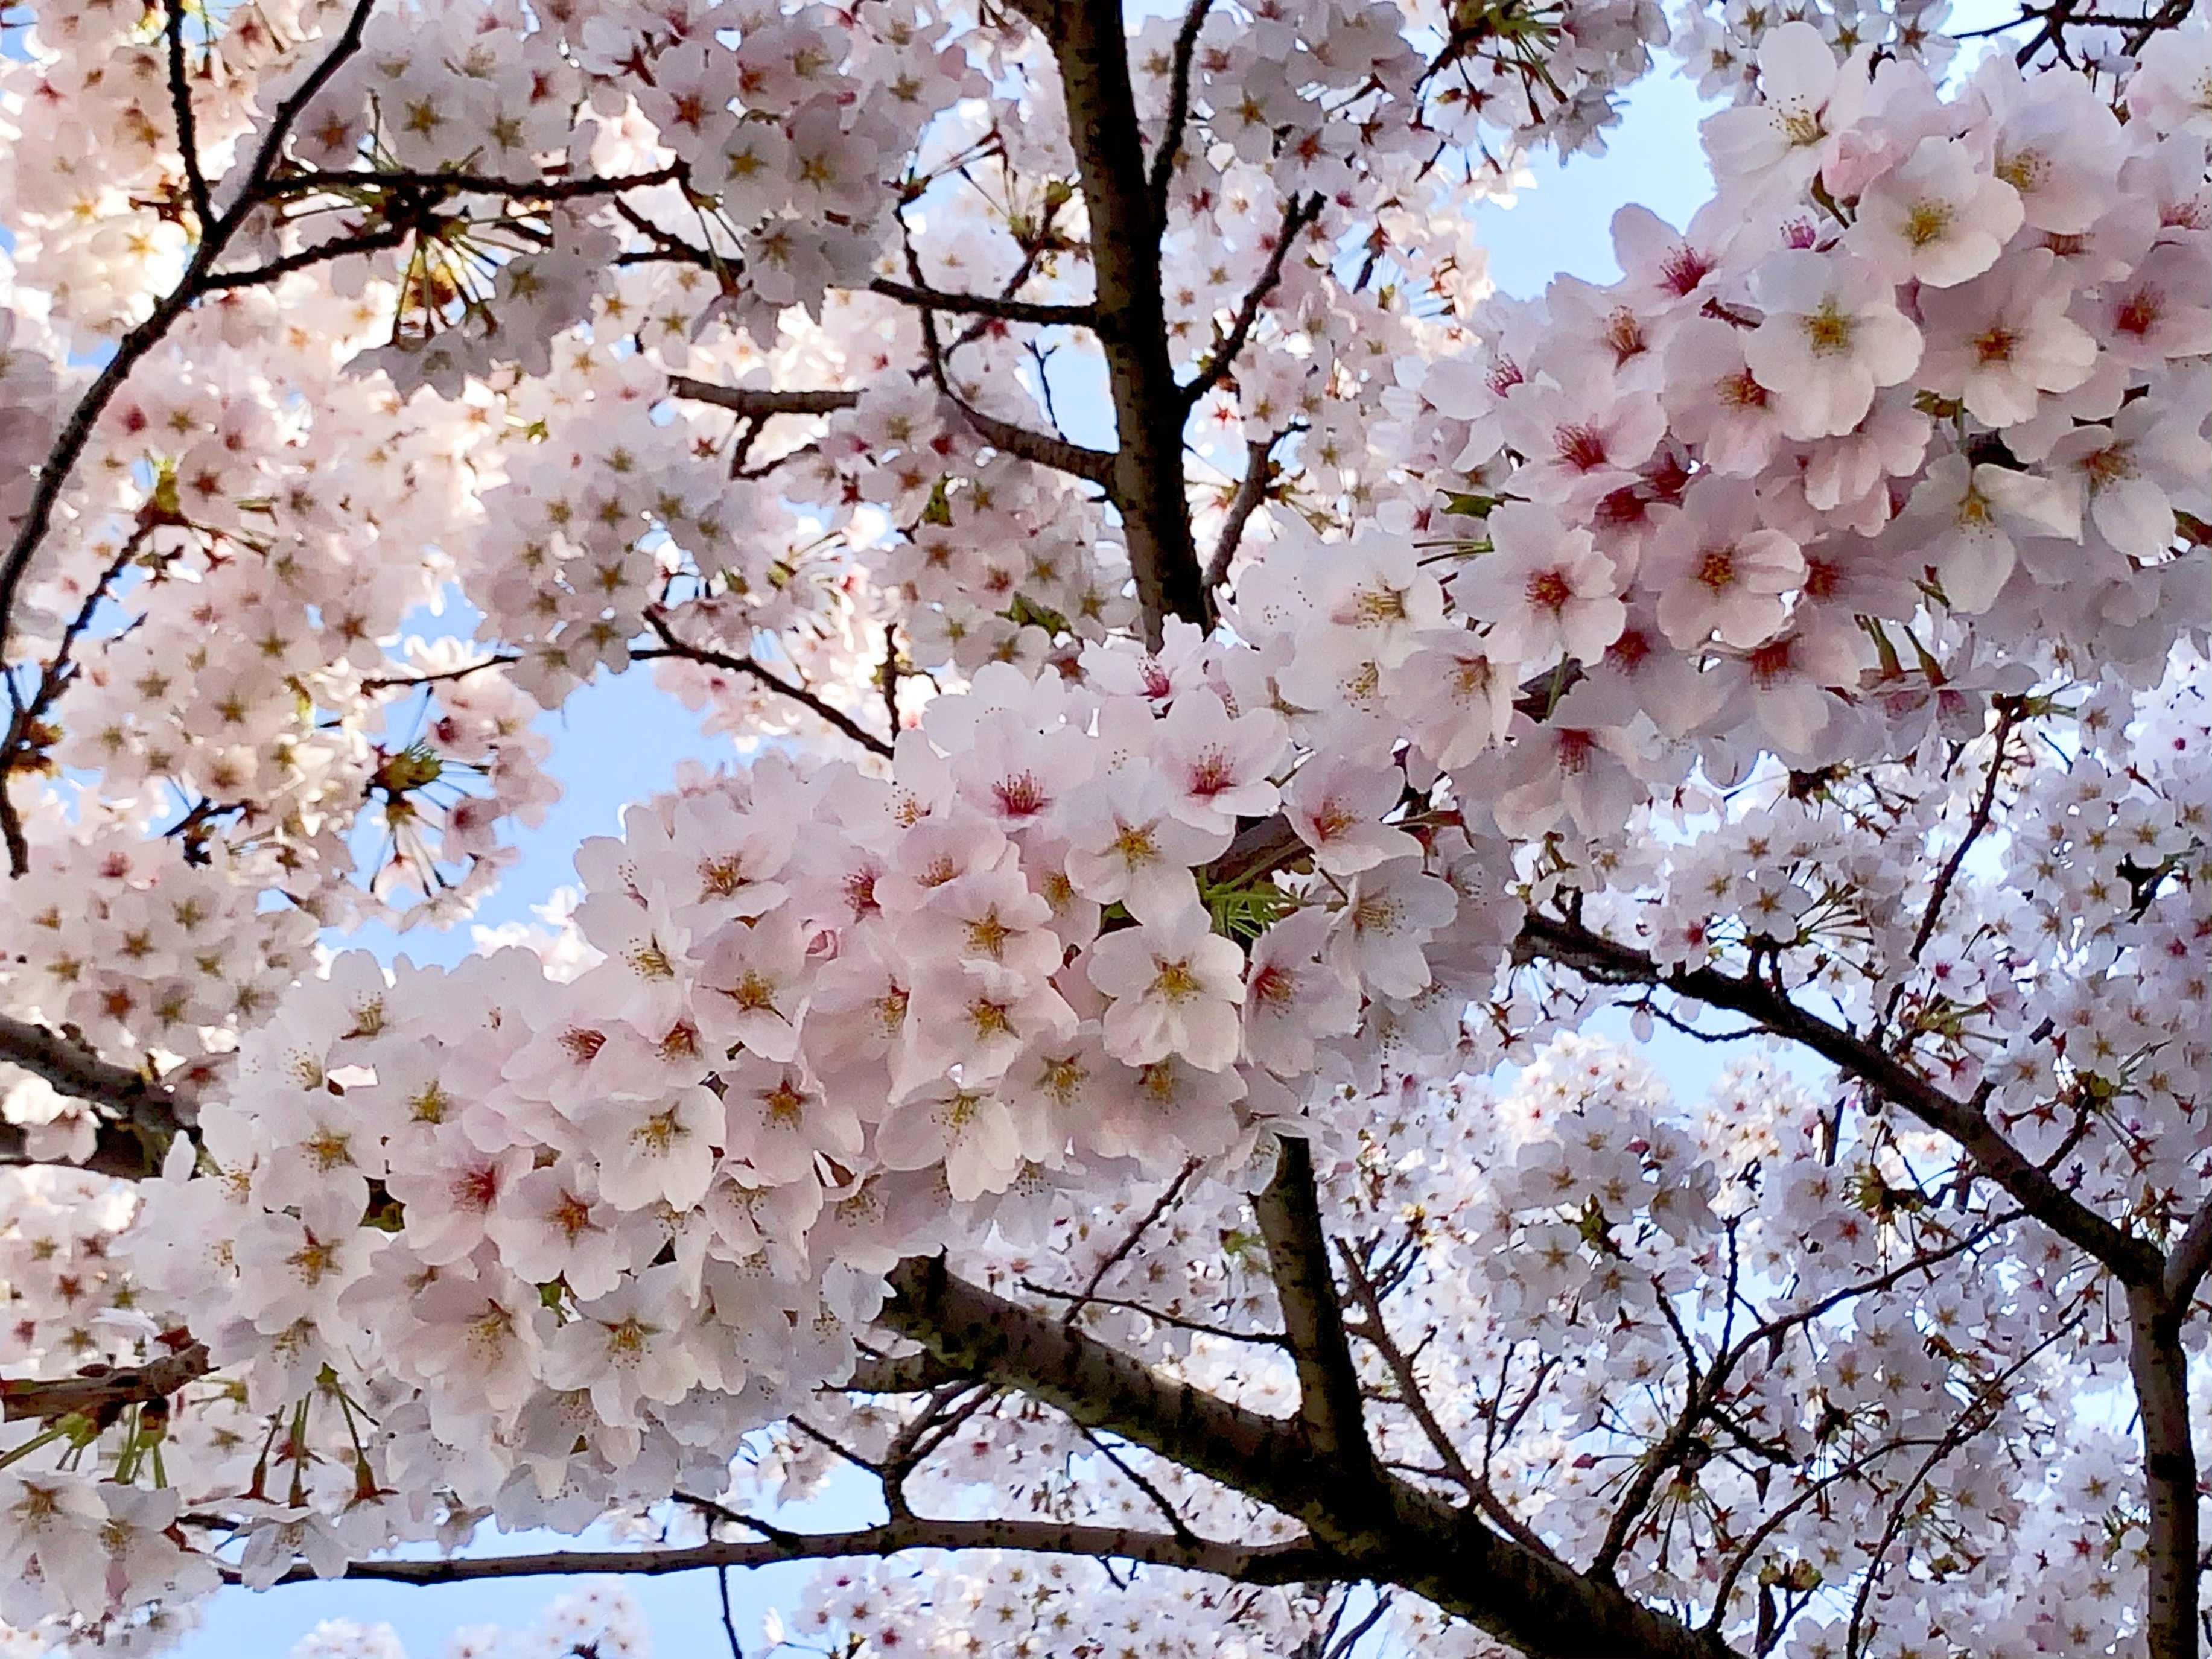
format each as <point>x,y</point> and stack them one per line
<point>620,740</point>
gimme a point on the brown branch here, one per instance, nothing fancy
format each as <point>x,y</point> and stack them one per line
<point>1260,471</point>
<point>1279,1564</point>
<point>76,430</point>
<point>758,403</point>
<point>1259,848</point>
<point>1038,448</point>
<point>145,1115</point>
<point>1297,213</point>
<point>921,1436</point>
<point>442,186</point>
<point>440,676</point>
<point>1168,1513</point>
<point>1002,309</point>
<point>180,105</point>
<point>1392,1532</point>
<point>915,1373</point>
<point>1170,1196</point>
<point>1123,1304</point>
<point>2159,1365</point>
<point>101,1393</point>
<point>1090,42</point>
<point>2008,709</point>
<point>373,242</point>
<point>1289,1210</point>
<point>1165,158</point>
<point>23,747</point>
<point>673,646</point>
<point>887,681</point>
<point>1374,1330</point>
<point>2134,1260</point>
<point>1987,1401</point>
<point>2192,1255</point>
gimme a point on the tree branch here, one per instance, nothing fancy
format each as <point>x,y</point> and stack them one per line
<point>372,241</point>
<point>2192,1255</point>
<point>1170,151</point>
<point>23,750</point>
<point>1405,1535</point>
<point>1251,492</point>
<point>440,185</point>
<point>1091,44</point>
<point>1281,1564</point>
<point>146,1114</point>
<point>76,430</point>
<point>1297,213</point>
<point>1375,1330</point>
<point>1977,825</point>
<point>1038,448</point>
<point>807,699</point>
<point>101,1394</point>
<point>2134,1260</point>
<point>2158,1366</point>
<point>1329,1404</point>
<point>180,105</point>
<point>758,403</point>
<point>1170,1195</point>
<point>1004,310</point>
<point>915,1373</point>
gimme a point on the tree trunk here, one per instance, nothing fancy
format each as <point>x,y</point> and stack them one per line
<point>2162,1379</point>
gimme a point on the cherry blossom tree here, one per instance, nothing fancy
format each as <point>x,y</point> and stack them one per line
<point>1114,1068</point>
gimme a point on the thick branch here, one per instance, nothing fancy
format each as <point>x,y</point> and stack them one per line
<point>73,1069</point>
<point>1329,1404</point>
<point>2192,1255</point>
<point>2134,1260</point>
<point>1091,44</point>
<point>1403,1535</point>
<point>101,1394</point>
<point>145,1115</point>
<point>1279,1563</point>
<point>2160,1368</point>
<point>915,1373</point>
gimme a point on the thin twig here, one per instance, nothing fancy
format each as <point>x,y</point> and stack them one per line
<point>1169,152</point>
<point>673,646</point>
<point>1000,309</point>
<point>1119,1253</point>
<point>1297,213</point>
<point>180,104</point>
